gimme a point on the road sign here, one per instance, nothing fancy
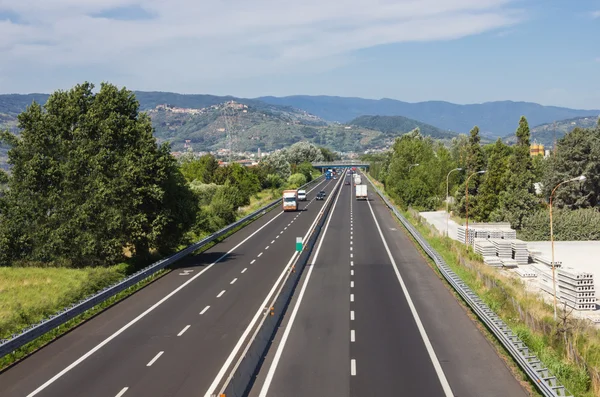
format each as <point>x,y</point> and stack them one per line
<point>298,244</point>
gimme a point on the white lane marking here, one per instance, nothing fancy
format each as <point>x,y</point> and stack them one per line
<point>288,328</point>
<point>351,284</point>
<point>154,359</point>
<point>351,230</point>
<point>353,367</point>
<point>351,233</point>
<point>272,241</point>
<point>351,297</point>
<point>252,261</point>
<point>244,270</point>
<point>183,330</point>
<point>281,232</point>
<point>256,317</point>
<point>123,390</point>
<point>267,247</point>
<point>285,228</point>
<point>351,263</point>
<point>352,336</point>
<point>350,248</point>
<point>351,255</point>
<point>351,237</point>
<point>233,281</point>
<point>436,364</point>
<point>221,294</point>
<point>144,314</point>
<point>351,243</point>
<point>259,255</point>
<point>352,272</point>
<point>277,236</point>
<point>205,309</point>
<point>351,315</point>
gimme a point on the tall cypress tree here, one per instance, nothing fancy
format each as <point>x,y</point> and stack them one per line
<point>494,182</point>
<point>475,161</point>
<point>519,200</point>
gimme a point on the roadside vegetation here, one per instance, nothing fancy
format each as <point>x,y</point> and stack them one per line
<point>91,198</point>
<point>569,347</point>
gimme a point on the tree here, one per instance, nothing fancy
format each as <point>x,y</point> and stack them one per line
<point>328,155</point>
<point>474,161</point>
<point>306,169</point>
<point>301,152</point>
<point>518,200</point>
<point>494,182</point>
<point>297,180</point>
<point>88,180</point>
<point>277,163</point>
<point>201,169</point>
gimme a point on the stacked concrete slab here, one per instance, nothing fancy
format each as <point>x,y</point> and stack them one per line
<point>509,263</point>
<point>519,251</point>
<point>503,248</point>
<point>484,247</point>
<point>492,261</point>
<point>577,289</point>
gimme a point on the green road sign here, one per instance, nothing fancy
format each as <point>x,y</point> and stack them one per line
<point>298,244</point>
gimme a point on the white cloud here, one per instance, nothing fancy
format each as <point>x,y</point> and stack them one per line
<point>195,42</point>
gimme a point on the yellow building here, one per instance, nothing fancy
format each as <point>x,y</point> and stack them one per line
<point>536,149</point>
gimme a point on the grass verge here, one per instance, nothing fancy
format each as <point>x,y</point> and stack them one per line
<point>571,349</point>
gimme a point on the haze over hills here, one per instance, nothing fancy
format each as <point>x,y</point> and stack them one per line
<point>392,125</point>
<point>495,119</point>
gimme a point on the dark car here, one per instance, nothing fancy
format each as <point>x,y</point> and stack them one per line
<point>320,196</point>
<point>347,181</point>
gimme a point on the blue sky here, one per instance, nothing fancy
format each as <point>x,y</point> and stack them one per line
<point>461,51</point>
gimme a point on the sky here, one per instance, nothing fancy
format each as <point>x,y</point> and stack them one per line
<point>461,51</point>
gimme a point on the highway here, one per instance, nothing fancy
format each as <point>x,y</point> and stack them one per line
<point>179,335</point>
<point>371,318</point>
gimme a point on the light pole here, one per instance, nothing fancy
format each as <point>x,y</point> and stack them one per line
<point>412,165</point>
<point>467,205</point>
<point>580,178</point>
<point>447,197</point>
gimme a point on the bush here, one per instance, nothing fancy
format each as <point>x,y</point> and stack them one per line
<point>296,180</point>
<point>576,225</point>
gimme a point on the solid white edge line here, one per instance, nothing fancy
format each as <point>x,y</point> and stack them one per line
<point>123,390</point>
<point>271,373</point>
<point>154,359</point>
<point>221,294</point>
<point>205,309</point>
<point>238,346</point>
<point>428,346</point>
<point>144,314</point>
<point>353,367</point>
<point>183,330</point>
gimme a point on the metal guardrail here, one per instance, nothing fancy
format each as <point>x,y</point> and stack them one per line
<point>33,332</point>
<point>548,384</point>
<point>242,374</point>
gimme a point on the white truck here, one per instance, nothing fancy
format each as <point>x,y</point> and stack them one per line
<point>361,192</point>
<point>301,195</point>
<point>357,180</point>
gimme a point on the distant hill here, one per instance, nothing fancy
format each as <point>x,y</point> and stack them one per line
<point>495,119</point>
<point>545,133</point>
<point>395,125</point>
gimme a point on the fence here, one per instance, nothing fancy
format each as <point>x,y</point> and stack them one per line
<point>33,332</point>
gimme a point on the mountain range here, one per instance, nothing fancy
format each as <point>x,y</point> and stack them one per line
<point>547,133</point>
<point>341,123</point>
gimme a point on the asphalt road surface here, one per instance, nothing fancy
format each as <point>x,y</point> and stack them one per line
<point>177,336</point>
<point>371,318</point>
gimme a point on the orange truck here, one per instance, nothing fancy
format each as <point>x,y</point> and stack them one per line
<point>290,200</point>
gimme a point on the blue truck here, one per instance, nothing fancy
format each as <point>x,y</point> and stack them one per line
<point>328,174</point>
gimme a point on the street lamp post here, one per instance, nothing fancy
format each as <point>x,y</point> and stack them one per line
<point>467,205</point>
<point>412,165</point>
<point>580,178</point>
<point>447,197</point>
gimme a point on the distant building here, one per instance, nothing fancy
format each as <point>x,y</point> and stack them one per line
<point>536,149</point>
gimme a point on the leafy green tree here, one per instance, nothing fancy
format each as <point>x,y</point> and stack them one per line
<point>494,182</point>
<point>297,180</point>
<point>306,169</point>
<point>239,177</point>
<point>328,155</point>
<point>88,180</point>
<point>277,163</point>
<point>577,153</point>
<point>519,200</point>
<point>303,151</point>
<point>201,169</point>
<point>274,181</point>
<point>474,161</point>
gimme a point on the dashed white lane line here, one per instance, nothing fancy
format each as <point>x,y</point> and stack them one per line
<point>281,232</point>
<point>352,272</point>
<point>351,233</point>
<point>259,255</point>
<point>351,263</point>
<point>351,297</point>
<point>351,284</point>
<point>350,248</point>
<point>267,247</point>
<point>272,241</point>
<point>154,359</point>
<point>252,261</point>
<point>244,270</point>
<point>205,309</point>
<point>123,390</point>
<point>351,255</point>
<point>233,281</point>
<point>221,294</point>
<point>352,336</point>
<point>353,367</point>
<point>351,243</point>
<point>285,228</point>
<point>277,236</point>
<point>351,230</point>
<point>351,315</point>
<point>183,330</point>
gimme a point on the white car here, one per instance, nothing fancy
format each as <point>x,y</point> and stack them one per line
<point>301,195</point>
